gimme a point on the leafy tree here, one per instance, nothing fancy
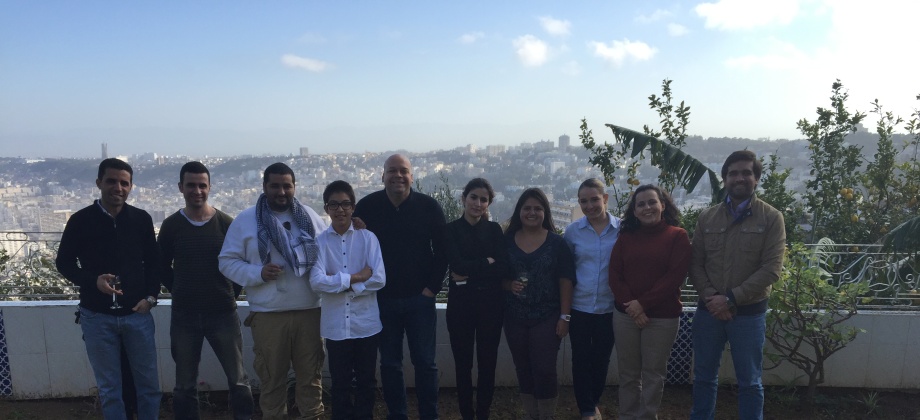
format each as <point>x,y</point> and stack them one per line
<point>883,191</point>
<point>443,194</point>
<point>609,159</point>
<point>831,195</point>
<point>674,121</point>
<point>805,324</point>
<point>775,193</point>
<point>4,258</point>
<point>906,236</point>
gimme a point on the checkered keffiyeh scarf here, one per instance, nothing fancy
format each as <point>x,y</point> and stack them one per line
<point>301,252</point>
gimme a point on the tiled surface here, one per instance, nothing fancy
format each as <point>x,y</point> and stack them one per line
<point>886,363</point>
<point>24,322</point>
<point>30,376</point>
<point>680,364</point>
<point>70,374</point>
<point>46,356</point>
<point>913,335</point>
<point>6,382</point>
<point>891,329</point>
<point>62,335</point>
<point>909,377</point>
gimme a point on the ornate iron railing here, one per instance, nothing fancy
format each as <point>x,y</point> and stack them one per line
<point>27,271</point>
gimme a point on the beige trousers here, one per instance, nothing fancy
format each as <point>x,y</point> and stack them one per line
<point>642,359</point>
<point>282,340</point>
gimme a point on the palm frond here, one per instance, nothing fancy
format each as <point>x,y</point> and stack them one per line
<point>688,169</point>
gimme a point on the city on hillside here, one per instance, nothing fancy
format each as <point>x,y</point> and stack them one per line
<point>38,195</point>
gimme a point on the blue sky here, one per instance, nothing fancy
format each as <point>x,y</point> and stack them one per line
<point>242,77</point>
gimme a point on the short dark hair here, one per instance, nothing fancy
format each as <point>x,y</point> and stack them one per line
<point>670,214</point>
<point>117,164</point>
<point>194,167</point>
<point>336,187</point>
<point>479,183</point>
<point>514,224</point>
<point>742,156</point>
<point>278,168</point>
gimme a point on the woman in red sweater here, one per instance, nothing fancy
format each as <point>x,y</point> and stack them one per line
<point>648,265</point>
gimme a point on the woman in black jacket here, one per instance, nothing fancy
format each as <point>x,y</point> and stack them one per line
<point>478,265</point>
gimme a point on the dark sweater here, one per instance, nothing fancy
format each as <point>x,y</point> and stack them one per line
<point>469,246</point>
<point>411,241</point>
<point>190,268</point>
<point>650,265</point>
<point>552,261</point>
<point>94,243</point>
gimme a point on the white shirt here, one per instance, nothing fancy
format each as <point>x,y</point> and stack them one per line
<point>348,313</point>
<point>239,260</point>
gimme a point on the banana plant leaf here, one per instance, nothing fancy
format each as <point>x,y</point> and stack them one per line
<point>688,169</point>
<point>904,238</point>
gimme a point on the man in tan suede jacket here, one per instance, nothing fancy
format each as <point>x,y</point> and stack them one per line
<point>738,249</point>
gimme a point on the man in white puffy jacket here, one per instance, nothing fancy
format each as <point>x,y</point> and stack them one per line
<point>269,250</point>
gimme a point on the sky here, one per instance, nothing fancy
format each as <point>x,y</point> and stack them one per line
<point>230,77</point>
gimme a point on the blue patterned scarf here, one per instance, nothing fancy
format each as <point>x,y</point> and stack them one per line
<point>301,252</point>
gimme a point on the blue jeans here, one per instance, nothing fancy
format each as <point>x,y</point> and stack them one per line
<point>745,335</point>
<point>592,340</point>
<point>222,330</point>
<point>416,317</point>
<point>104,335</point>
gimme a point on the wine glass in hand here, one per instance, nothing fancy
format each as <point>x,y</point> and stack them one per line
<point>116,284</point>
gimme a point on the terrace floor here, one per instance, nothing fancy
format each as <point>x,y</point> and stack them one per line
<point>832,403</point>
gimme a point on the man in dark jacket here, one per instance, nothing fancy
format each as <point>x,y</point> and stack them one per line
<point>410,227</point>
<point>110,251</point>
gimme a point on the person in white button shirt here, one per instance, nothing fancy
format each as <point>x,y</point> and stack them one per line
<point>348,273</point>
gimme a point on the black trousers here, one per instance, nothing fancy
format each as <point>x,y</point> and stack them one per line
<point>592,339</point>
<point>353,367</point>
<point>474,321</point>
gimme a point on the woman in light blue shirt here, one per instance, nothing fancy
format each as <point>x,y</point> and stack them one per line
<point>591,330</point>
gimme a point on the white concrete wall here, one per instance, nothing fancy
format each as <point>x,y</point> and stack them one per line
<point>48,359</point>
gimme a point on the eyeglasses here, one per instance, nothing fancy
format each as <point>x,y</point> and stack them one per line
<point>344,205</point>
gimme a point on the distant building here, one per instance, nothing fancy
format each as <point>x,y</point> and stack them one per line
<point>53,221</point>
<point>496,150</point>
<point>105,151</point>
<point>565,213</point>
<point>304,151</point>
<point>564,142</point>
<point>158,216</point>
<point>544,145</point>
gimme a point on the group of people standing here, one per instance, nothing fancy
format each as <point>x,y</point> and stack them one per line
<point>362,284</point>
<point>607,278</point>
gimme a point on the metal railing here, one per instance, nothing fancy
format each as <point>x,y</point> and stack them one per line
<point>28,271</point>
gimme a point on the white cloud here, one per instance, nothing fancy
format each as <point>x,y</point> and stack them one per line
<point>572,68</point>
<point>618,51</point>
<point>657,15</point>
<point>531,50</point>
<point>555,27</point>
<point>471,37</point>
<point>676,29</point>
<point>311,38</point>
<point>309,64</point>
<point>728,15</point>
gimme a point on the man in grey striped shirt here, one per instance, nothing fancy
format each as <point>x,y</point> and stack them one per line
<point>204,301</point>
